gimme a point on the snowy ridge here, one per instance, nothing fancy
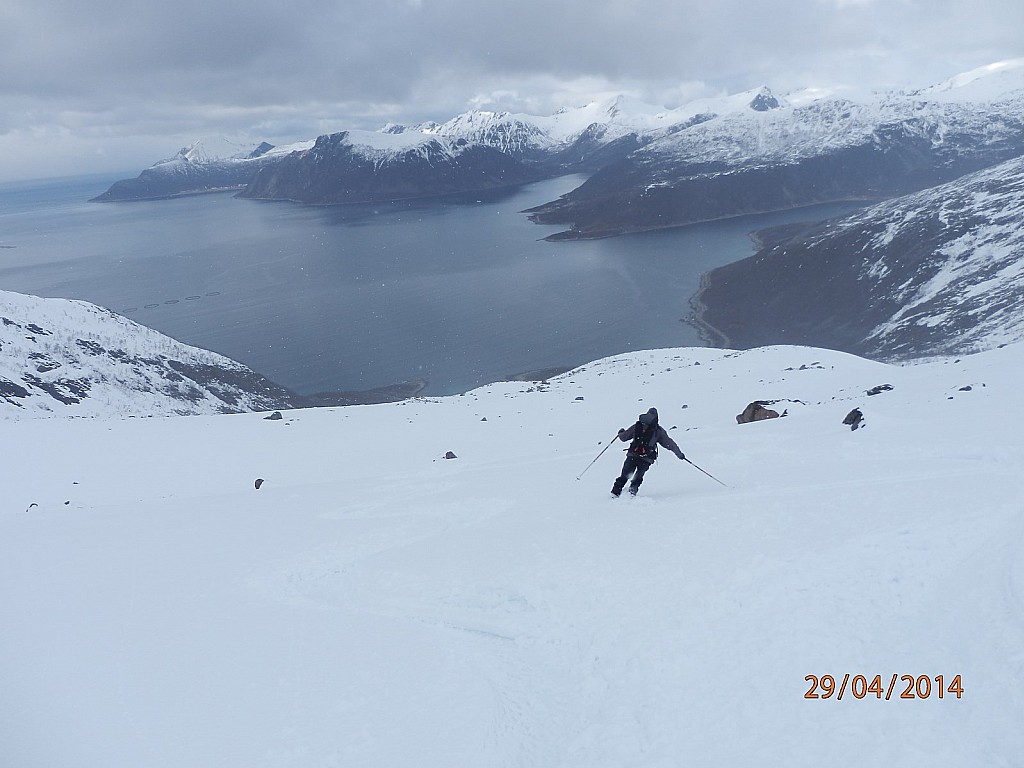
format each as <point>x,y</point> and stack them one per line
<point>617,116</point>
<point>493,610</point>
<point>987,104</point>
<point>614,117</point>
<point>382,149</point>
<point>500,130</point>
<point>63,357</point>
<point>223,151</point>
<point>211,150</point>
<point>788,134</point>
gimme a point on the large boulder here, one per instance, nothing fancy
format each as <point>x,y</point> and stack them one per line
<point>756,411</point>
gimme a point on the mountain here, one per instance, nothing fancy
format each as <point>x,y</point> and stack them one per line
<point>799,154</point>
<point>63,357</point>
<point>389,607</point>
<point>353,167</point>
<point>204,166</point>
<point>936,272</point>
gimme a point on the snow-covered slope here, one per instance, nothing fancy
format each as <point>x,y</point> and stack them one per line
<point>993,82</point>
<point>61,357</point>
<point>936,272</point>
<point>373,604</point>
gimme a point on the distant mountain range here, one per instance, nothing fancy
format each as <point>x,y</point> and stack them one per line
<point>472,152</point>
<point>649,167</point>
<point>798,154</point>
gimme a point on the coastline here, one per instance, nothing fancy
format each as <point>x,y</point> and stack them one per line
<point>709,334</point>
<point>388,394</point>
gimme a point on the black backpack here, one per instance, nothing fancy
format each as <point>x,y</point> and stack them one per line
<point>645,441</point>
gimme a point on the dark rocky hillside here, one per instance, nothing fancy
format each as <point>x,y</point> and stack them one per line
<point>937,272</point>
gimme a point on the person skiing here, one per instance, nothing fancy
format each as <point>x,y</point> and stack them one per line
<point>644,438</point>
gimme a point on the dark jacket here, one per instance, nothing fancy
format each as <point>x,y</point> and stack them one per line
<point>625,435</point>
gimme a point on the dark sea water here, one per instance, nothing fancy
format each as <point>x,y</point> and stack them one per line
<point>456,292</point>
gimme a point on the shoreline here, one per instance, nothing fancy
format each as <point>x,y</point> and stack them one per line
<point>709,334</point>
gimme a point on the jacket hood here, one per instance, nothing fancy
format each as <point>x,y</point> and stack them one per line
<point>651,417</point>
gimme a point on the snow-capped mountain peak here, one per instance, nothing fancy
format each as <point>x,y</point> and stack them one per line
<point>759,99</point>
<point>500,130</point>
<point>214,149</point>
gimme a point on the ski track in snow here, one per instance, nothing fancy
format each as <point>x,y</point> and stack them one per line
<point>384,606</point>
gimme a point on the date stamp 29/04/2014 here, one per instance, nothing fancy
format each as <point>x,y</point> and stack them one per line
<point>898,686</point>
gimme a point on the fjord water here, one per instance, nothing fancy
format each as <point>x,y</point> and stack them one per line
<point>456,292</point>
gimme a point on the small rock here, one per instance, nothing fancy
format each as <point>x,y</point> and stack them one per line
<point>450,455</point>
<point>259,482</point>
<point>275,416</point>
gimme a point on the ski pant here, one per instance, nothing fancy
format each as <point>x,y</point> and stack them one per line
<point>633,466</point>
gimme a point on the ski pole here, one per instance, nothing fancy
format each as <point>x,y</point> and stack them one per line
<point>706,473</point>
<point>597,457</point>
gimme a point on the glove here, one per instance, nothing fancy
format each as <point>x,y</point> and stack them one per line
<point>621,431</point>
<point>682,456</point>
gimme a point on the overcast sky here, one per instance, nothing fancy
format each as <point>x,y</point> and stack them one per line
<point>116,85</point>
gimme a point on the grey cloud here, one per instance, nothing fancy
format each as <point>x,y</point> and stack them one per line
<point>174,69</point>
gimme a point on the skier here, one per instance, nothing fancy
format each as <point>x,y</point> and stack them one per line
<point>645,436</point>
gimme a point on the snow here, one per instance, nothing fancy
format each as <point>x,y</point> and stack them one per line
<point>992,82</point>
<point>73,358</point>
<point>975,268</point>
<point>374,604</point>
<point>986,105</point>
<point>620,114</point>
